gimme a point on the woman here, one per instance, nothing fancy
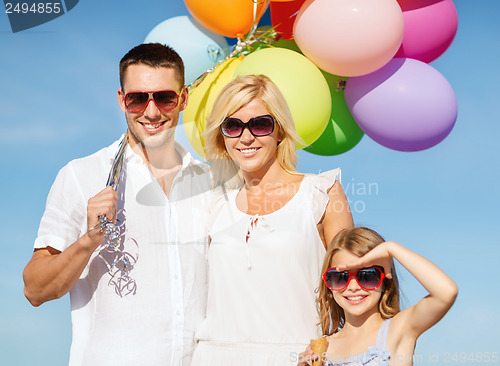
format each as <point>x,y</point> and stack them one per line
<point>267,231</point>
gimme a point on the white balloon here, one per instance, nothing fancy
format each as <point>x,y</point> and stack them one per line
<point>199,48</point>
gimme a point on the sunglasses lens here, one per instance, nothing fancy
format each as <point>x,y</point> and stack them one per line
<point>166,100</point>
<point>258,126</point>
<point>136,101</point>
<point>262,126</point>
<point>336,280</point>
<point>369,278</point>
<point>232,127</point>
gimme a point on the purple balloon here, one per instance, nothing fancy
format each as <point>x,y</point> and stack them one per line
<point>406,105</point>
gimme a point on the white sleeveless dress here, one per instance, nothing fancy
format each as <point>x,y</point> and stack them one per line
<point>263,272</point>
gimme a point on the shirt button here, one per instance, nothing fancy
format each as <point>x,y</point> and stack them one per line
<point>178,348</point>
<point>178,313</point>
<point>176,276</point>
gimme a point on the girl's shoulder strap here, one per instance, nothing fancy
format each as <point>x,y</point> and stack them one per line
<point>382,334</point>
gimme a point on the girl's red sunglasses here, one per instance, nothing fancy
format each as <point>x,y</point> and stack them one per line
<point>367,278</point>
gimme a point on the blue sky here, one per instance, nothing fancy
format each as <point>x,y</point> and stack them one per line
<point>58,103</point>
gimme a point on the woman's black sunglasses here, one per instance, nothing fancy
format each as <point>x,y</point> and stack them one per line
<point>258,126</point>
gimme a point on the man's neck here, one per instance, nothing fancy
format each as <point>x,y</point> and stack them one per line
<point>160,157</point>
<point>163,162</point>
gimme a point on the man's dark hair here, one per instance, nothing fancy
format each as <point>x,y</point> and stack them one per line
<point>154,55</point>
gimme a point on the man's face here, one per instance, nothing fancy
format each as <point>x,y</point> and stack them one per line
<point>153,127</point>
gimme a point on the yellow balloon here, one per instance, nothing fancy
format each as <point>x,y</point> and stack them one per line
<point>302,84</point>
<point>194,138</point>
<point>201,100</point>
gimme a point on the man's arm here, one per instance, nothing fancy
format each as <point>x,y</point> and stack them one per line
<point>51,273</point>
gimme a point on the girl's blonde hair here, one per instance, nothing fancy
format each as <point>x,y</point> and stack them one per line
<point>359,241</point>
<point>234,96</point>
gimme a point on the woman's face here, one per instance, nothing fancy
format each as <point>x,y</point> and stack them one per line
<point>253,154</point>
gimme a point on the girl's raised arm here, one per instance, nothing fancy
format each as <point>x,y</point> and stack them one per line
<point>442,289</point>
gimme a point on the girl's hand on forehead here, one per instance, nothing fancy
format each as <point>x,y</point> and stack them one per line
<point>378,256</point>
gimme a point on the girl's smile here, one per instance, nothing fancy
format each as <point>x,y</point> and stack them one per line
<point>354,300</point>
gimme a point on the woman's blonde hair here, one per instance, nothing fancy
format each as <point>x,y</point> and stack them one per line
<point>359,241</point>
<point>234,96</point>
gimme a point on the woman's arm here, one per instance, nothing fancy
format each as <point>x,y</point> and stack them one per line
<point>337,214</point>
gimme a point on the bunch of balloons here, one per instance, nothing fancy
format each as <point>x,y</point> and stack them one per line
<point>346,68</point>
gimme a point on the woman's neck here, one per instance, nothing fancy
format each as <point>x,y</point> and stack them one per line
<point>256,181</point>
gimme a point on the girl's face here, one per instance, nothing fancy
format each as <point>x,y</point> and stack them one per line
<point>354,300</point>
<point>253,154</point>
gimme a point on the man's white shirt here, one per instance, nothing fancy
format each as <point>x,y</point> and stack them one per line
<point>166,242</point>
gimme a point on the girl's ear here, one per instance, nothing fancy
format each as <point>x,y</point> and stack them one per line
<point>386,284</point>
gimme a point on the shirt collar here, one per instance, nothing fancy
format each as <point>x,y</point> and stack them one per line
<point>186,157</point>
<point>131,156</point>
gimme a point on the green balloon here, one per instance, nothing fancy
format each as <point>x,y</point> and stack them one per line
<point>288,44</point>
<point>342,133</point>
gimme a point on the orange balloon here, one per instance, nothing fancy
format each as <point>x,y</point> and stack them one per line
<point>231,18</point>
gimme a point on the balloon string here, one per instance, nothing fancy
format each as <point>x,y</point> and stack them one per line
<point>244,45</point>
<point>340,87</point>
<point>255,21</point>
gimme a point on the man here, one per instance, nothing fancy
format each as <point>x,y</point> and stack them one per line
<point>137,304</point>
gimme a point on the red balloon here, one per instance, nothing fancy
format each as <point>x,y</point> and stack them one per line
<point>283,16</point>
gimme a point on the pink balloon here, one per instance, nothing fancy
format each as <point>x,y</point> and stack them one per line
<point>430,27</point>
<point>349,38</point>
<point>406,105</point>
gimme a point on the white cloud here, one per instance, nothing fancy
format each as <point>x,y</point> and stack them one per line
<point>41,133</point>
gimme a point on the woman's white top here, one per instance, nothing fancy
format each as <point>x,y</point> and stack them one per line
<point>264,270</point>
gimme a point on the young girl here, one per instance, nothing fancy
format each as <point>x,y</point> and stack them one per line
<point>359,301</point>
